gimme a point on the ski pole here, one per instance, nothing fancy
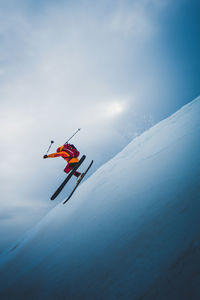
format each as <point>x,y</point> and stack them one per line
<point>73,135</point>
<point>50,146</point>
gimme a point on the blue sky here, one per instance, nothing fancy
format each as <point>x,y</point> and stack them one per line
<point>113,68</point>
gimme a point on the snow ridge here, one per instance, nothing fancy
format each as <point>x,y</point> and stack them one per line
<point>130,227</point>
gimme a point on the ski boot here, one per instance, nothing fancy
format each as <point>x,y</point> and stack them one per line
<point>80,177</point>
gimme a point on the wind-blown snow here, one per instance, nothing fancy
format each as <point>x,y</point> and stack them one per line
<point>131,231</point>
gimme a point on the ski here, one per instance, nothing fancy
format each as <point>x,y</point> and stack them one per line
<point>84,173</point>
<point>57,192</point>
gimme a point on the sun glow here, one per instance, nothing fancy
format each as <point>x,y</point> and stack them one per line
<point>114,108</point>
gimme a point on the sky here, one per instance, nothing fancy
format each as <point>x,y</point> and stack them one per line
<point>111,68</point>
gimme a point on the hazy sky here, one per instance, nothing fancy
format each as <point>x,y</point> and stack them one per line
<point>112,68</point>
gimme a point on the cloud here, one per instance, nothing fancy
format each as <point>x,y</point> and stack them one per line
<point>133,21</point>
<point>67,66</point>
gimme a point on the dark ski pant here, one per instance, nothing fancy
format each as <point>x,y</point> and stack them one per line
<point>69,167</point>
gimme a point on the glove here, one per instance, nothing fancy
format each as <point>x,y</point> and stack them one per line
<point>45,156</point>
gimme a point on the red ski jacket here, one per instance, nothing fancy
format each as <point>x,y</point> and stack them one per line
<point>68,152</point>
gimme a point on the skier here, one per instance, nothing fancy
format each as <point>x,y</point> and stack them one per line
<point>70,154</point>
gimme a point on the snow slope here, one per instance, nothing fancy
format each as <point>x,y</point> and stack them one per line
<point>131,231</point>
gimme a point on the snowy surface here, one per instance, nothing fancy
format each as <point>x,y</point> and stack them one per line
<point>131,231</point>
